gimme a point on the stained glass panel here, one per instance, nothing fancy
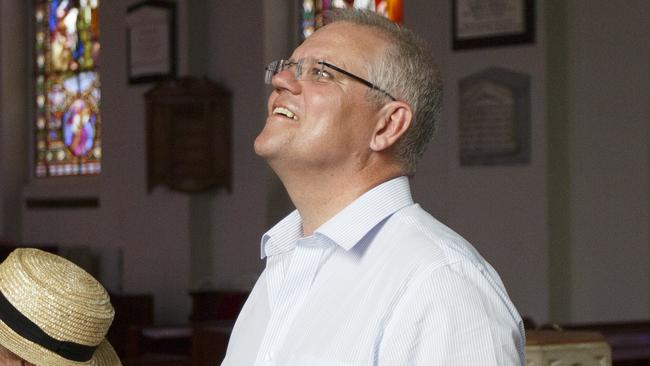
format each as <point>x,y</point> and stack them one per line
<point>312,11</point>
<point>68,123</point>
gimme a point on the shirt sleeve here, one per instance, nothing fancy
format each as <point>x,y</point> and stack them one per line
<point>452,315</point>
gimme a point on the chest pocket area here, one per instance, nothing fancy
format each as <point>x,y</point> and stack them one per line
<point>298,359</point>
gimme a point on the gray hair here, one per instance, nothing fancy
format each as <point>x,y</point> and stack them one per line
<point>408,72</point>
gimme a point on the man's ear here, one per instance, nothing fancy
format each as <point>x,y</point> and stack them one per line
<point>393,120</point>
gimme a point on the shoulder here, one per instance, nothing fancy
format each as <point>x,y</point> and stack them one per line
<point>451,291</point>
<point>440,258</point>
<point>421,237</point>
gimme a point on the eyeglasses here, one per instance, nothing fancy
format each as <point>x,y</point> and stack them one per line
<point>316,70</point>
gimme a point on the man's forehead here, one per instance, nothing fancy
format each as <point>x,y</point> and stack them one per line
<point>338,42</point>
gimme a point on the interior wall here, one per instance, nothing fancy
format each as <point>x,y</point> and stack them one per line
<point>2,155</point>
<point>13,111</point>
<point>150,229</point>
<point>234,53</point>
<point>159,234</point>
<point>609,91</point>
<point>559,170</point>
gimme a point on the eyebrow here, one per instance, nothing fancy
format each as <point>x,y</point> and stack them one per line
<point>322,57</point>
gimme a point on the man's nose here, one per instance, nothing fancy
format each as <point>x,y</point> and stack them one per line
<point>286,80</point>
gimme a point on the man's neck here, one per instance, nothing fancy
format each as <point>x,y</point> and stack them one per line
<point>320,197</point>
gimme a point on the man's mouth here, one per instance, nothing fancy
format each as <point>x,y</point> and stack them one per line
<point>285,112</point>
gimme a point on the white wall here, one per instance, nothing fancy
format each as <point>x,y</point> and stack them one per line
<point>609,91</point>
<point>235,51</point>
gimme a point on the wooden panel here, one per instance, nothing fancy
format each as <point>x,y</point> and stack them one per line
<point>188,135</point>
<point>216,305</point>
<point>630,341</point>
<point>158,360</point>
<point>209,345</point>
<point>566,348</point>
<point>130,311</point>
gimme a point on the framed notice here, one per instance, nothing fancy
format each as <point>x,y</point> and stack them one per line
<point>488,23</point>
<point>151,41</point>
<point>494,118</point>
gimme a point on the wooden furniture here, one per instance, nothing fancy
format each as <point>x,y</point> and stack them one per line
<point>209,344</point>
<point>191,345</point>
<point>131,310</point>
<point>566,348</point>
<point>630,341</point>
<point>216,305</point>
<point>203,341</point>
<point>157,360</point>
<point>159,340</point>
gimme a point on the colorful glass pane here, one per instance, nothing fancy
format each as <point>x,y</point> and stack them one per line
<point>312,11</point>
<point>67,87</point>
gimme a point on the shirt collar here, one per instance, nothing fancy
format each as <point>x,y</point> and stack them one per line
<point>353,222</point>
<point>347,227</point>
<point>285,234</point>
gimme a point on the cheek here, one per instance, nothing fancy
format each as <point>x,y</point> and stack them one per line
<point>326,115</point>
<point>337,119</point>
<point>324,123</point>
<point>270,100</point>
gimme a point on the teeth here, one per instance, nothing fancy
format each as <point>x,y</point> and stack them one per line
<point>285,112</point>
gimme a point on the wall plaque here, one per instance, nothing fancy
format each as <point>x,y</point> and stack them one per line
<point>486,23</point>
<point>151,41</point>
<point>494,118</point>
<point>188,135</point>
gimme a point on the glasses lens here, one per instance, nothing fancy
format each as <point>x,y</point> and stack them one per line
<point>304,69</point>
<point>271,70</point>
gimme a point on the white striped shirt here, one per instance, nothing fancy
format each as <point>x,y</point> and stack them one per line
<point>381,283</point>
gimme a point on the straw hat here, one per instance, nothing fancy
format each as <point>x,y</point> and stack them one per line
<point>53,313</point>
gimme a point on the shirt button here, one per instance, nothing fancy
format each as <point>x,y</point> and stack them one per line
<point>268,356</point>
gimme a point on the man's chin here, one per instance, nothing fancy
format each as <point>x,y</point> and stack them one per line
<point>265,149</point>
<point>270,145</point>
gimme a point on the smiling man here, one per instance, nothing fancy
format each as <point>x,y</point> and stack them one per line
<point>359,274</point>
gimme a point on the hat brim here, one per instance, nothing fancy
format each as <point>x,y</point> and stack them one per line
<point>33,353</point>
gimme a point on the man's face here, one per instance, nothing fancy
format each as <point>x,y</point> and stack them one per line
<point>333,121</point>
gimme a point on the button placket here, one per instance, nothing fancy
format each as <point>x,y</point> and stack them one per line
<point>290,296</point>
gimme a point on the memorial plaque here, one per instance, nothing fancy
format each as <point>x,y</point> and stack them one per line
<point>151,41</point>
<point>188,133</point>
<point>489,23</point>
<point>494,118</point>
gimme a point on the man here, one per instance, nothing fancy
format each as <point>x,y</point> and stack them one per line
<point>359,274</point>
<point>52,313</point>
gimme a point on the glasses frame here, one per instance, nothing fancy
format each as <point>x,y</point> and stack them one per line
<point>273,67</point>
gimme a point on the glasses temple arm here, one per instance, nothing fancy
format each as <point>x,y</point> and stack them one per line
<point>358,78</point>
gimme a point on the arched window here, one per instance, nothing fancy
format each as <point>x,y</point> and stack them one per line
<point>68,123</point>
<point>312,11</point>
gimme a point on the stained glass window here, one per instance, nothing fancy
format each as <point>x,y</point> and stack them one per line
<point>68,123</point>
<point>312,11</point>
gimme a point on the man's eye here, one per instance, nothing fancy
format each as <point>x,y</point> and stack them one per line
<point>321,74</point>
<point>288,65</point>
